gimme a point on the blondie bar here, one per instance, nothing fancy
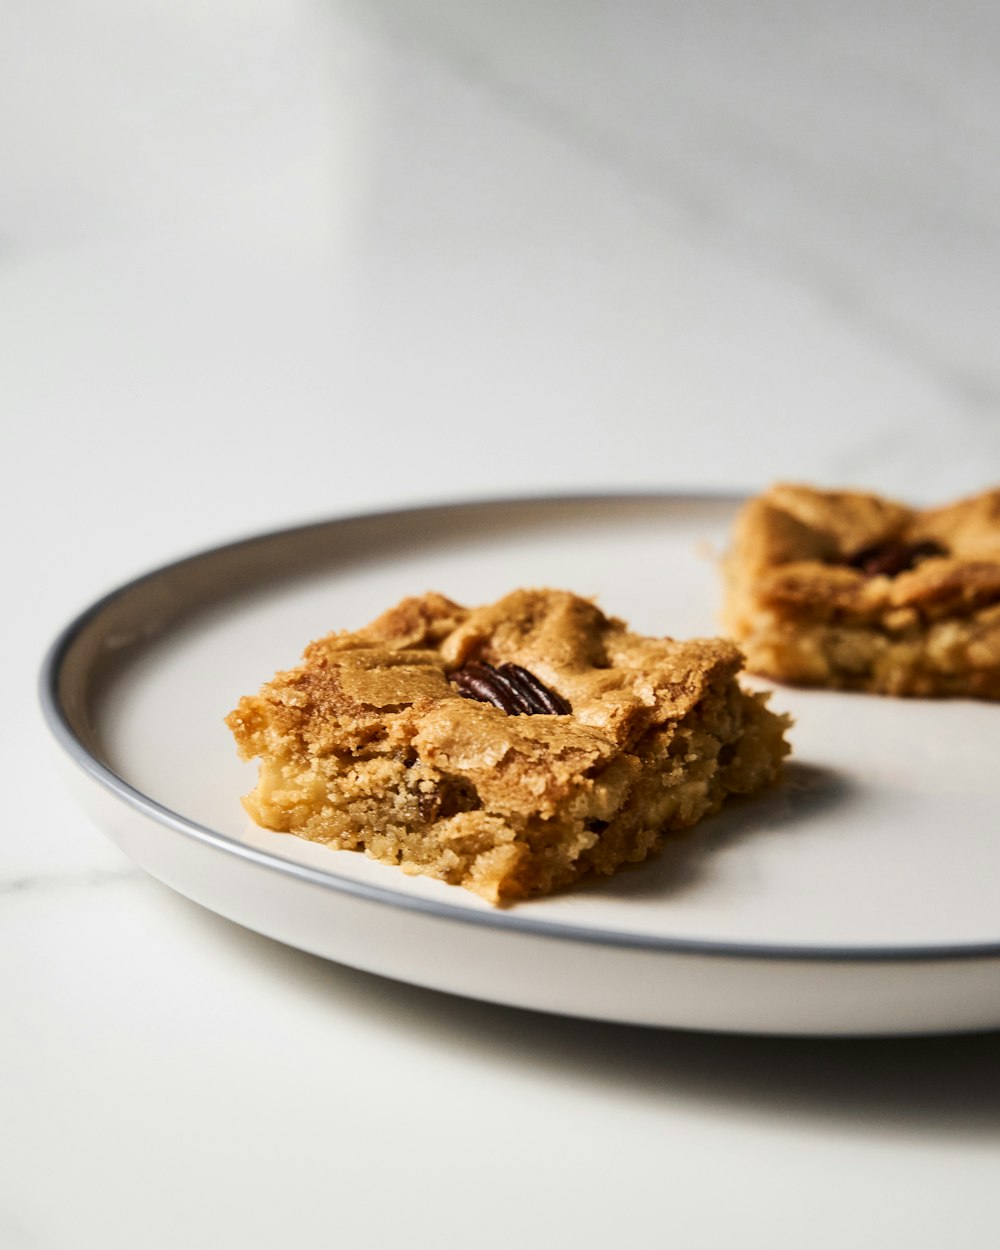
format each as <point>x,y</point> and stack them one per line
<point>852,591</point>
<point>511,748</point>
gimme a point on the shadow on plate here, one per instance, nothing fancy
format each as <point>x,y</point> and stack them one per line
<point>807,792</point>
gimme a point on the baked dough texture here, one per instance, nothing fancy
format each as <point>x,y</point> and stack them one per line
<point>368,745</point>
<point>809,604</point>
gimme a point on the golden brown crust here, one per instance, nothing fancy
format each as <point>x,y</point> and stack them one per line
<point>798,606</point>
<point>367,743</point>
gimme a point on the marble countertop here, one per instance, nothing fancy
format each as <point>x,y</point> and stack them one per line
<point>267,261</point>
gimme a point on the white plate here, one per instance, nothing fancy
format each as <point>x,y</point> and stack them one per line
<point>862,896</point>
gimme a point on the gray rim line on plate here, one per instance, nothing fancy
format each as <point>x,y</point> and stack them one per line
<point>58,723</point>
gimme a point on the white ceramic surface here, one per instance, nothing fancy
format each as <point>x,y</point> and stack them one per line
<point>861,896</point>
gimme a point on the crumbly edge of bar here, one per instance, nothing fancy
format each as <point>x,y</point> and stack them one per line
<point>947,658</point>
<point>402,810</point>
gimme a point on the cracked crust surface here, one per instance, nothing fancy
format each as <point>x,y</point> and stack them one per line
<point>367,745</point>
<point>803,614</point>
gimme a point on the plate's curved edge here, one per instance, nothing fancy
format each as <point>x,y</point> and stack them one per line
<point>59,725</point>
<point>620,495</point>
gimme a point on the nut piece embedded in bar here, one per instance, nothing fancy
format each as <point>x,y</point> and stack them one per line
<point>892,558</point>
<point>511,688</point>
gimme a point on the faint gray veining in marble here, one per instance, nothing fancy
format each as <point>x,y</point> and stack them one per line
<point>51,882</point>
<point>874,184</point>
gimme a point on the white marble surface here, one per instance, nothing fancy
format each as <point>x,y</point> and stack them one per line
<point>264,261</point>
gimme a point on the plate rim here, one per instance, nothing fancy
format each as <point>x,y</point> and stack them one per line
<point>59,724</point>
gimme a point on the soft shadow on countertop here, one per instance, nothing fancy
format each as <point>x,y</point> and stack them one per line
<point>940,1086</point>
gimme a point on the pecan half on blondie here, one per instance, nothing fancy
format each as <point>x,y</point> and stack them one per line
<point>511,748</point>
<point>856,592</point>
